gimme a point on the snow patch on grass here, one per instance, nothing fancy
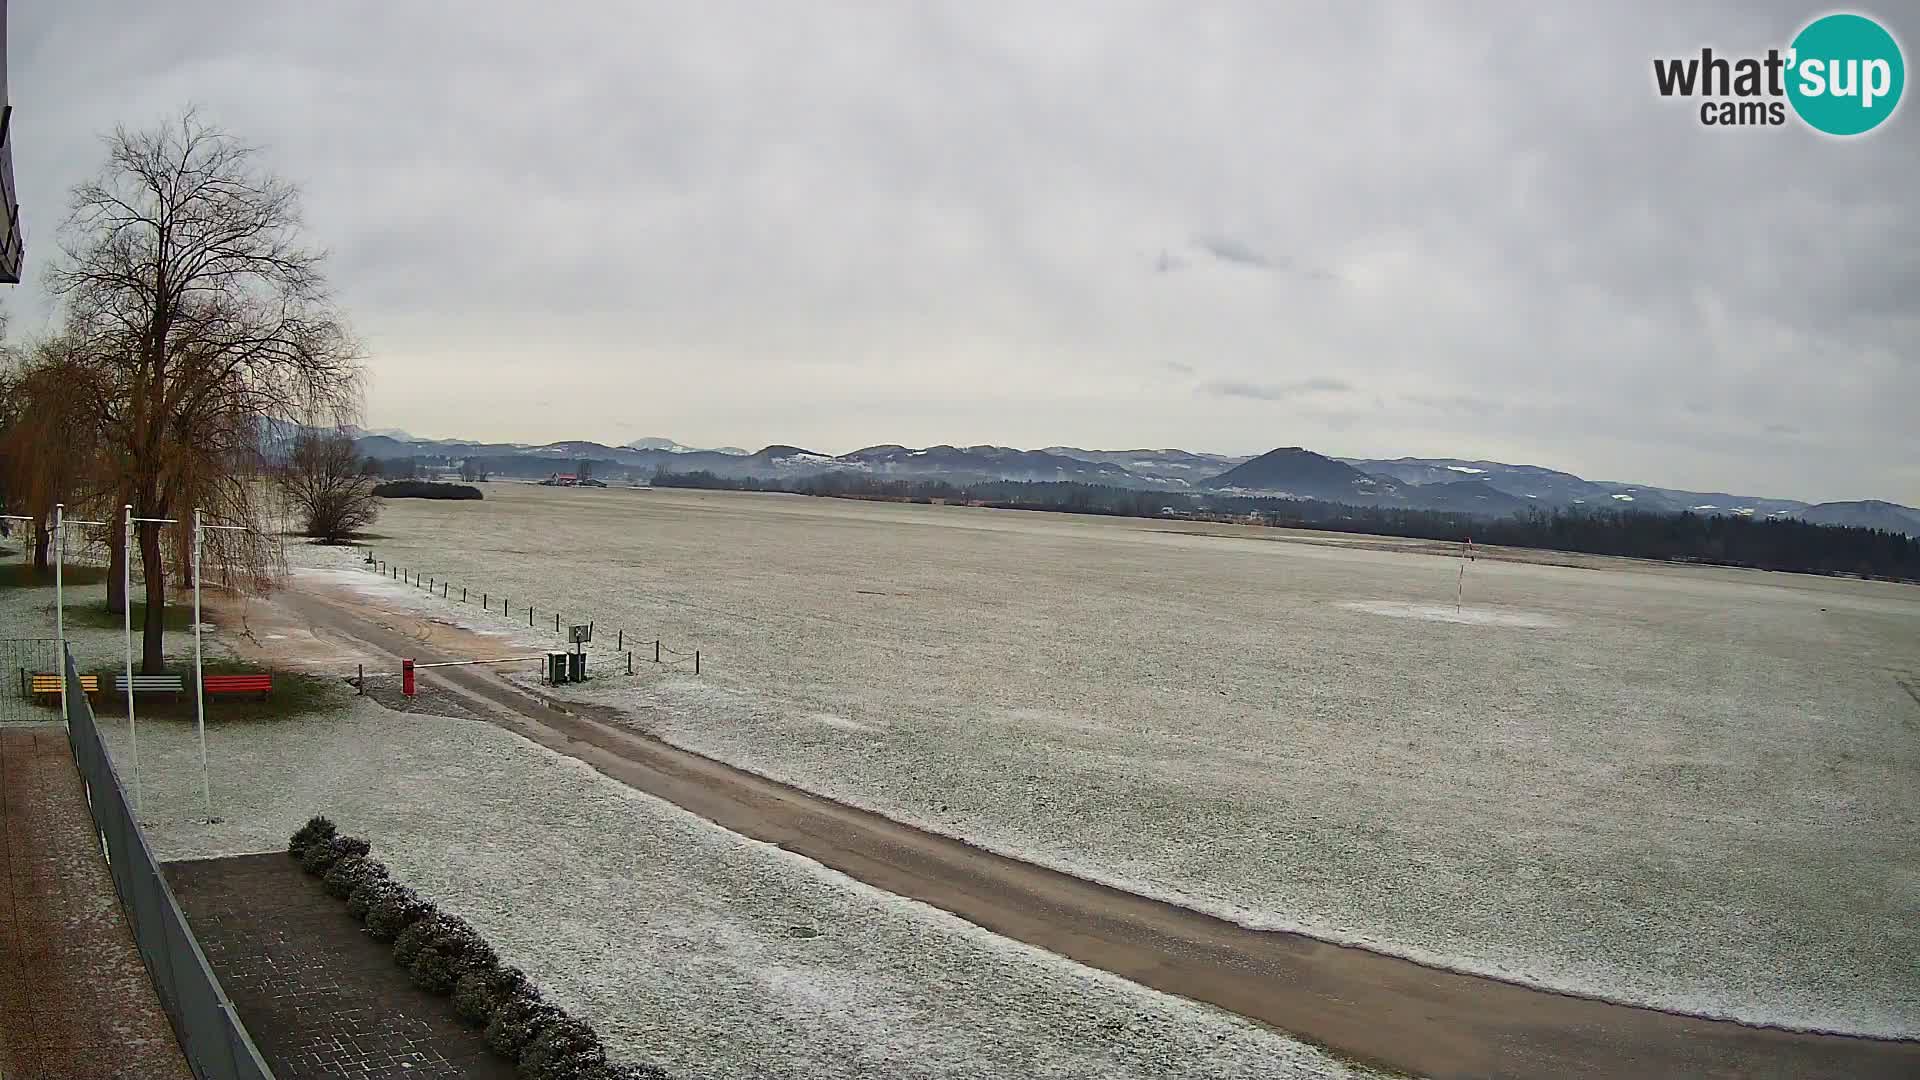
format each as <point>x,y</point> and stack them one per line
<point>1466,615</point>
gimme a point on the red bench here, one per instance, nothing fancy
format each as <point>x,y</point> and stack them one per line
<point>239,684</point>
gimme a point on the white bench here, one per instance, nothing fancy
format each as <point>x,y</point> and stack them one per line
<point>151,684</point>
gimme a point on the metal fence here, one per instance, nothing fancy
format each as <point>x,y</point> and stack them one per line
<point>216,1043</point>
<point>20,660</point>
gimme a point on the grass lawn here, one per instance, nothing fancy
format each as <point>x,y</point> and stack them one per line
<point>176,617</point>
<point>21,575</point>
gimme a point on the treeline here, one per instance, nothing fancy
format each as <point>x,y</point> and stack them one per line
<point>424,489</point>
<point>1766,544</point>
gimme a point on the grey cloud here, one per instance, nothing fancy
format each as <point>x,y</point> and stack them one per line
<point>837,225</point>
<point>1456,404</point>
<point>1276,391</point>
<point>1227,249</point>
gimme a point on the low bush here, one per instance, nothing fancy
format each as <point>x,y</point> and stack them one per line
<point>408,943</point>
<point>562,1048</point>
<point>316,828</point>
<point>365,895</point>
<point>437,951</point>
<point>479,992</point>
<point>394,910</point>
<point>517,1020</point>
<point>347,874</point>
<point>320,856</point>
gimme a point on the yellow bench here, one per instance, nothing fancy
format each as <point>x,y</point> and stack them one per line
<point>48,686</point>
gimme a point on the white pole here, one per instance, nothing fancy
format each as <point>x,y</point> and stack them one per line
<point>60,598</point>
<point>126,609</point>
<point>199,690</point>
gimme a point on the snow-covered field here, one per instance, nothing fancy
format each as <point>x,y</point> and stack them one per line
<point>686,945</point>
<point>1686,787</point>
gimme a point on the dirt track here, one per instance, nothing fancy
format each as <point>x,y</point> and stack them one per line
<point>1375,1008</point>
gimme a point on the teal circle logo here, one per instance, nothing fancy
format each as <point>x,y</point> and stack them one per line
<point>1845,74</point>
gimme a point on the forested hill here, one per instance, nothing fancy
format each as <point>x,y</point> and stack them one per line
<point>1765,543</point>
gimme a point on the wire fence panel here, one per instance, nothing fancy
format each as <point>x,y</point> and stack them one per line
<point>217,1045</point>
<point>23,659</point>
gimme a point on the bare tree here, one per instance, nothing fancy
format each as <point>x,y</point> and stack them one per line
<point>323,482</point>
<point>203,320</point>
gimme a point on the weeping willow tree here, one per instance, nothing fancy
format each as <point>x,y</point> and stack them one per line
<point>200,321</point>
<point>51,450</point>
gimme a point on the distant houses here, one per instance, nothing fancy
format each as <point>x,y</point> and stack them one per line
<point>571,480</point>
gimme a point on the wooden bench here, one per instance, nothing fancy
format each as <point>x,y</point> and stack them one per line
<point>47,687</point>
<point>151,684</point>
<point>239,684</point>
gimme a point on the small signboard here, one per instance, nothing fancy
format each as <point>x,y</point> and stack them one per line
<point>580,635</point>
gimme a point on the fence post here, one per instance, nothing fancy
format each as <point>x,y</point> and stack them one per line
<point>696,661</point>
<point>629,663</point>
<point>656,650</point>
<point>620,641</point>
<point>363,679</point>
<point>556,622</point>
<point>463,594</point>
<point>529,616</point>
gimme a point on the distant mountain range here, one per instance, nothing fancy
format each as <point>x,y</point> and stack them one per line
<point>1486,488</point>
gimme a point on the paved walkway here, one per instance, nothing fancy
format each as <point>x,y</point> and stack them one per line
<point>75,999</point>
<point>322,1000</point>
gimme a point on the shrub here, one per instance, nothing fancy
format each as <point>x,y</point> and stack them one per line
<point>366,894</point>
<point>517,1020</point>
<point>394,910</point>
<point>408,943</point>
<point>480,991</point>
<point>562,1048</point>
<point>320,857</point>
<point>447,949</point>
<point>349,872</point>
<point>316,828</point>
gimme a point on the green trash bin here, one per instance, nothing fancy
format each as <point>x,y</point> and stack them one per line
<point>556,667</point>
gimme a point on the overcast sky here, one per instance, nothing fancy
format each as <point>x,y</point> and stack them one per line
<point>1371,230</point>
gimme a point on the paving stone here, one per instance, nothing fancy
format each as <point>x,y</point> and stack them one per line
<point>75,998</point>
<point>319,997</point>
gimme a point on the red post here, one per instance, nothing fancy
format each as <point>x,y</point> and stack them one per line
<point>406,677</point>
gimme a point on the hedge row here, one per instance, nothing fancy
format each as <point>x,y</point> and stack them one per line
<point>445,955</point>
